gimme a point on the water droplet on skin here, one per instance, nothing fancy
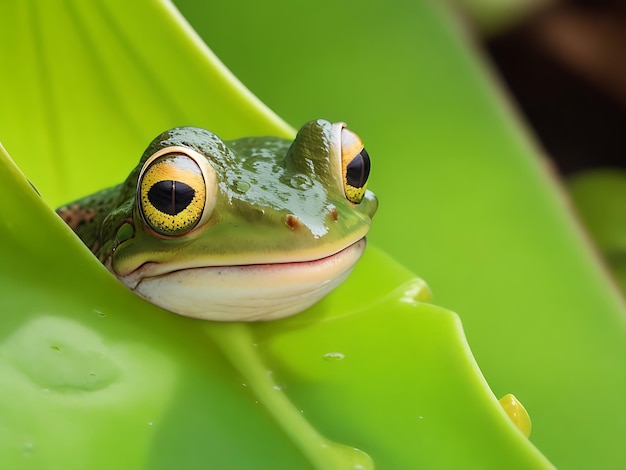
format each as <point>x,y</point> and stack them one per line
<point>100,314</point>
<point>334,356</point>
<point>242,187</point>
<point>301,181</point>
<point>150,423</point>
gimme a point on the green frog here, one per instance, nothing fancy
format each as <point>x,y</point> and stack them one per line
<point>251,229</point>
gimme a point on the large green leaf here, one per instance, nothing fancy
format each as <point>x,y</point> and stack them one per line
<point>93,377</point>
<point>90,371</point>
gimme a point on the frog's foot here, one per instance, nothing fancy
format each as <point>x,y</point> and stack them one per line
<point>254,292</point>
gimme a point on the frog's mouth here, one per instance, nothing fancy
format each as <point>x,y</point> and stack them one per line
<point>253,292</point>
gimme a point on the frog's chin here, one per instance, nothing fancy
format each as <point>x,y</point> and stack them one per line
<point>256,292</point>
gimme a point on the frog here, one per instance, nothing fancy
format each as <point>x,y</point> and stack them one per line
<point>252,229</point>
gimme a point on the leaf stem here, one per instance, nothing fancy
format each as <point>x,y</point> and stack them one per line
<point>236,342</point>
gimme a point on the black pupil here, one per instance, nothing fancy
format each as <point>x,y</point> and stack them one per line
<point>170,196</point>
<point>358,170</point>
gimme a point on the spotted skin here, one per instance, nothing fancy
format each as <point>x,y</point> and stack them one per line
<point>85,216</point>
<point>76,215</point>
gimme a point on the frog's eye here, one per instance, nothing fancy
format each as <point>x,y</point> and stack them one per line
<point>176,191</point>
<point>355,164</point>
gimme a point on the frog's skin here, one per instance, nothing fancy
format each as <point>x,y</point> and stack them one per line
<point>260,228</point>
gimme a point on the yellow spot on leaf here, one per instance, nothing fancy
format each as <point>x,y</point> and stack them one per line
<point>517,413</point>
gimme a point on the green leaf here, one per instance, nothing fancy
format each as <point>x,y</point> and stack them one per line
<point>93,377</point>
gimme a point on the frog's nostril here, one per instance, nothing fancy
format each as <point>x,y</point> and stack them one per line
<point>333,213</point>
<point>292,221</point>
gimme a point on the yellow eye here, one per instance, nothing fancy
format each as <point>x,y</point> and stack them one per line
<point>176,191</point>
<point>355,165</point>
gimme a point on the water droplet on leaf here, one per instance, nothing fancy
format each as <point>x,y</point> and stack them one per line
<point>334,356</point>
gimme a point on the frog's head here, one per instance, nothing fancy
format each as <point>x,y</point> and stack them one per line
<point>251,229</point>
